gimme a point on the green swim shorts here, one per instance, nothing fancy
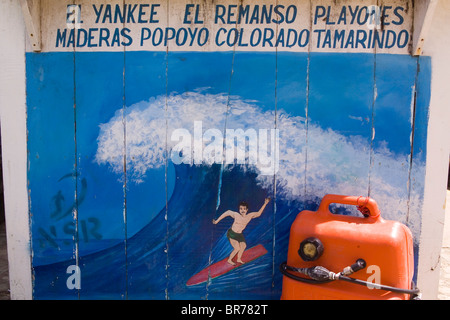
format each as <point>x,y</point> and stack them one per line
<point>239,237</point>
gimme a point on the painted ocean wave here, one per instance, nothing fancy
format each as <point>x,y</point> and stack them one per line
<point>180,240</point>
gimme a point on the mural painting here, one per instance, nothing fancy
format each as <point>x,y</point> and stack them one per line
<point>171,144</point>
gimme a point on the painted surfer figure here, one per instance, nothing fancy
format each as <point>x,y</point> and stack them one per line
<point>234,234</point>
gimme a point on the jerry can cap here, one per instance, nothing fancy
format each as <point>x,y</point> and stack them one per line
<point>310,249</point>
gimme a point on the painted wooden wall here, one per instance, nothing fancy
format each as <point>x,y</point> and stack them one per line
<point>131,112</point>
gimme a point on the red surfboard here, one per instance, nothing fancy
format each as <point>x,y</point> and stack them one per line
<point>220,268</point>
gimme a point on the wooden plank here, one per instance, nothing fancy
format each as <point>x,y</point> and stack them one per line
<point>52,171</point>
<point>323,100</point>
<point>292,86</point>
<point>101,196</point>
<point>14,149</point>
<point>32,18</point>
<point>392,127</point>
<point>438,150</point>
<point>419,218</point>
<point>292,93</point>
<point>340,106</point>
<point>340,124</point>
<point>250,172</point>
<point>423,16</point>
<point>198,85</point>
<point>101,199</point>
<point>147,171</point>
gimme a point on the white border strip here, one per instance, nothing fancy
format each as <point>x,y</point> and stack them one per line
<point>438,149</point>
<point>14,147</point>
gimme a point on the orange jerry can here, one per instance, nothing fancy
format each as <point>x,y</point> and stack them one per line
<point>325,249</point>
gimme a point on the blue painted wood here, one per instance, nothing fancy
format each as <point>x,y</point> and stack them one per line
<point>292,100</point>
<point>393,116</point>
<point>252,113</point>
<point>51,172</point>
<point>148,188</point>
<point>340,107</point>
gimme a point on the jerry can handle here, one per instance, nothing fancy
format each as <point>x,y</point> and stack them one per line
<point>364,202</point>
